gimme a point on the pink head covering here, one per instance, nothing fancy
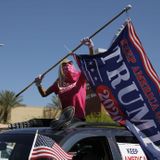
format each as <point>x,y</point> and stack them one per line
<point>68,74</point>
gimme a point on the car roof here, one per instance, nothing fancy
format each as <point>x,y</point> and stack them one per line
<point>76,131</point>
<point>73,128</point>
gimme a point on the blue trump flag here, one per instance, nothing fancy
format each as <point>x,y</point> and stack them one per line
<point>128,87</point>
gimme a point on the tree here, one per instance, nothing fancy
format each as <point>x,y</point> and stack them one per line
<point>8,100</point>
<point>53,109</point>
<point>55,102</point>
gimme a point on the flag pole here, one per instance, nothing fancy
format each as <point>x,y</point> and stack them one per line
<point>76,48</point>
<point>34,141</point>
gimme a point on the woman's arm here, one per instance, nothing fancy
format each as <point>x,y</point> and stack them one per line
<point>44,92</point>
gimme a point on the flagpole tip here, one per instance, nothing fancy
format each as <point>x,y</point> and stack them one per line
<point>128,7</point>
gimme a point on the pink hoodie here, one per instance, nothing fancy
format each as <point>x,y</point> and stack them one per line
<point>71,89</point>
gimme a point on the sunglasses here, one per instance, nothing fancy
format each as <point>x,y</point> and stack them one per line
<point>64,64</point>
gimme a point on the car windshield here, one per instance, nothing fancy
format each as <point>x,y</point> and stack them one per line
<point>15,147</point>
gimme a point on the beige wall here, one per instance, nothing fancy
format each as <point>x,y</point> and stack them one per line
<point>19,114</point>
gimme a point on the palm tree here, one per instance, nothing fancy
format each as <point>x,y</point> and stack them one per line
<point>8,100</point>
<point>53,109</point>
<point>55,102</point>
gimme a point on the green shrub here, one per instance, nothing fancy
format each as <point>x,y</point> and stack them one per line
<point>99,117</point>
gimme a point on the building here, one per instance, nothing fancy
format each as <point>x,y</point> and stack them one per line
<point>24,113</point>
<point>93,104</point>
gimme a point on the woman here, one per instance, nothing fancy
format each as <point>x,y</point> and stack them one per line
<point>70,86</point>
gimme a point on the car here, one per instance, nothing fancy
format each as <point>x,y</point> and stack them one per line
<point>87,141</point>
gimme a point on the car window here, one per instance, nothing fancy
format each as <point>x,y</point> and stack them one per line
<point>15,147</point>
<point>95,148</point>
<point>14,151</point>
<point>6,150</point>
<point>129,148</point>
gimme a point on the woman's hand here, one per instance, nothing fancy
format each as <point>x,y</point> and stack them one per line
<point>38,80</point>
<point>88,42</point>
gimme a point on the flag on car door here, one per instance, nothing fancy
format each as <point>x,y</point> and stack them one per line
<point>127,86</point>
<point>45,147</point>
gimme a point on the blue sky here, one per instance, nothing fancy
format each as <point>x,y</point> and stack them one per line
<point>35,33</point>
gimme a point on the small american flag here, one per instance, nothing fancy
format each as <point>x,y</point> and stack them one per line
<point>45,147</point>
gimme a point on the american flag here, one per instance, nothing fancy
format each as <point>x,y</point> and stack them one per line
<point>45,147</point>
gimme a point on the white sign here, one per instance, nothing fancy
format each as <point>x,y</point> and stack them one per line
<point>131,151</point>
